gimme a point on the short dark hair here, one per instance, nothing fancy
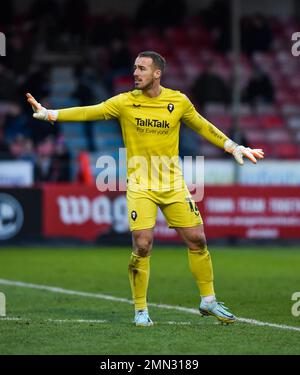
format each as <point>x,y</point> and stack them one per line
<point>158,60</point>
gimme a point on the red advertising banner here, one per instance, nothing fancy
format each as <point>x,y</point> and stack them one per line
<point>82,212</point>
<point>76,211</point>
<point>251,212</point>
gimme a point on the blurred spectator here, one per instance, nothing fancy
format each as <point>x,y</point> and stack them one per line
<point>37,80</point>
<point>53,161</point>
<point>61,162</point>
<point>6,14</point>
<point>42,170</point>
<point>160,13</point>
<point>19,54</point>
<point>8,87</point>
<point>120,57</point>
<point>189,142</point>
<point>120,63</point>
<point>73,20</point>
<point>259,88</point>
<point>17,146</point>
<point>89,87</point>
<point>86,82</point>
<point>40,10</point>
<point>16,123</point>
<point>217,19</point>
<point>45,18</point>
<point>256,34</point>
<point>172,13</point>
<point>22,148</point>
<point>83,91</point>
<point>28,152</point>
<point>210,87</point>
<point>43,167</point>
<point>110,27</point>
<point>143,17</point>
<point>4,150</point>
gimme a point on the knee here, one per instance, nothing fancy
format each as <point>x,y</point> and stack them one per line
<point>142,246</point>
<point>198,242</point>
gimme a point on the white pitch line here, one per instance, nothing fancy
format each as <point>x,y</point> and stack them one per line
<point>82,321</point>
<point>63,291</point>
<point>274,325</point>
<point>125,300</point>
<point>57,320</point>
<point>77,321</point>
<point>10,318</point>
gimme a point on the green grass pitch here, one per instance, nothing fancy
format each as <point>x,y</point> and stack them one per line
<point>255,283</point>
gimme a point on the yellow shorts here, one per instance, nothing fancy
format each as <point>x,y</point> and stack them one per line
<point>177,206</point>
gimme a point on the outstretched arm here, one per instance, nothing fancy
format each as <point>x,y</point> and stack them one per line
<point>198,123</point>
<point>102,111</point>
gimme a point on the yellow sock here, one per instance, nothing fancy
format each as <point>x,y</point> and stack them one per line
<point>201,267</point>
<point>139,271</point>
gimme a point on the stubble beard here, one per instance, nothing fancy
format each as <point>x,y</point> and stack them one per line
<point>147,86</point>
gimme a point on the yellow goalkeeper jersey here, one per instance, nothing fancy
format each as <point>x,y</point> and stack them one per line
<point>150,128</point>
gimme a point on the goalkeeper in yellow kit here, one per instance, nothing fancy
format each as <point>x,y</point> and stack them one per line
<point>150,118</point>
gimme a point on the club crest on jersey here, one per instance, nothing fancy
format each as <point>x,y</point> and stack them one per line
<point>170,107</point>
<point>133,215</point>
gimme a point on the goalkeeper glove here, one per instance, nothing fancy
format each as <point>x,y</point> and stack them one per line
<point>40,112</point>
<point>240,151</point>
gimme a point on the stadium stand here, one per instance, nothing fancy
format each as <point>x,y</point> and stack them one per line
<point>188,47</point>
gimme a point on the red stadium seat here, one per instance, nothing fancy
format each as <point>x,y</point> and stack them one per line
<point>220,121</point>
<point>271,121</point>
<point>268,149</point>
<point>255,136</point>
<point>288,151</point>
<point>249,122</point>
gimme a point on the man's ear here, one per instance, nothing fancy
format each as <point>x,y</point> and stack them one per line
<point>157,74</point>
